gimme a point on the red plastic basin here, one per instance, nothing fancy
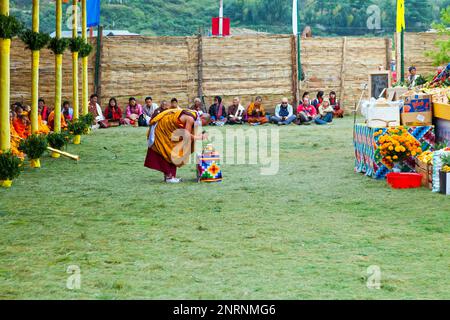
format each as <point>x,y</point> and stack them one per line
<point>404,180</point>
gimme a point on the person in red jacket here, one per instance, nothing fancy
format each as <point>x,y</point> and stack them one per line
<point>334,102</point>
<point>306,112</point>
<point>113,113</point>
<point>43,110</point>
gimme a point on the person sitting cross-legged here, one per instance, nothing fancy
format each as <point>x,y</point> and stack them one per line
<point>326,113</point>
<point>217,112</point>
<point>256,114</point>
<point>284,113</point>
<point>334,102</point>
<point>306,112</point>
<point>236,112</point>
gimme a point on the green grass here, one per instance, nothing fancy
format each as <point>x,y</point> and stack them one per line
<point>310,232</point>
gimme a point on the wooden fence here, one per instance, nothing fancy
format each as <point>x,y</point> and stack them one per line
<point>244,66</point>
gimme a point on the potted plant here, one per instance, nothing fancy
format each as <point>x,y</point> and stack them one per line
<point>56,140</point>
<point>34,147</point>
<point>77,128</point>
<point>444,175</point>
<point>10,167</point>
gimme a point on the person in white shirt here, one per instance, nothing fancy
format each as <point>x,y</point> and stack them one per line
<point>412,78</point>
<point>96,110</point>
<point>236,112</point>
<point>149,108</point>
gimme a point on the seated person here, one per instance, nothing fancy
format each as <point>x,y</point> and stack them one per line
<point>148,109</point>
<point>43,110</point>
<point>217,112</point>
<point>67,111</point>
<point>198,106</point>
<point>326,113</point>
<point>284,113</point>
<point>236,112</point>
<point>442,75</point>
<point>113,113</point>
<point>256,113</point>
<point>174,104</point>
<point>318,100</point>
<point>134,111</point>
<point>95,109</point>
<point>21,123</point>
<point>163,106</point>
<point>306,112</point>
<point>338,112</point>
<point>412,77</point>
<point>51,121</point>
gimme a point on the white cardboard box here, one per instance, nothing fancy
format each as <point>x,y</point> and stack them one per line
<point>383,116</point>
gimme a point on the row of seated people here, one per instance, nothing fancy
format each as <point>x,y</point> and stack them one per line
<point>320,111</point>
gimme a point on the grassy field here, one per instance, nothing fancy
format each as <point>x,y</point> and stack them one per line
<point>309,232</point>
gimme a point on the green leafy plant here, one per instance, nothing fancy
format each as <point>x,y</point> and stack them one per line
<point>446,160</point>
<point>442,54</point>
<point>441,145</point>
<point>10,166</point>
<point>9,27</point>
<point>57,140</point>
<point>78,127</point>
<point>34,146</point>
<point>35,41</point>
<point>76,44</point>
<point>420,80</point>
<point>85,50</point>
<point>58,46</point>
<point>88,119</point>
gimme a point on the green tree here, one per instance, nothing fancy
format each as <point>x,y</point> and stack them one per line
<point>442,55</point>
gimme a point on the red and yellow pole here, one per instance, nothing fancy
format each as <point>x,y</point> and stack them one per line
<point>5,47</point>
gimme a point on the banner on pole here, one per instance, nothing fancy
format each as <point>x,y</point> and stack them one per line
<point>93,12</point>
<point>295,16</point>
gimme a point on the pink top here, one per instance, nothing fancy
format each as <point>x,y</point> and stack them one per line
<point>137,109</point>
<point>310,110</point>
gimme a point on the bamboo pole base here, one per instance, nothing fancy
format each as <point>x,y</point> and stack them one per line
<point>55,155</point>
<point>77,139</point>
<point>35,163</point>
<point>6,183</point>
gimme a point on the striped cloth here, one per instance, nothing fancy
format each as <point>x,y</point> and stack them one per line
<point>366,145</point>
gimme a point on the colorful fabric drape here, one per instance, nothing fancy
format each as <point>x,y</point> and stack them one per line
<point>366,146</point>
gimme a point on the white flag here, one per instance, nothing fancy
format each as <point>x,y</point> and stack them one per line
<point>294,16</point>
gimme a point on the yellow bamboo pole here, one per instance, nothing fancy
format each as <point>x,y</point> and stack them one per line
<point>58,70</point>
<point>75,62</point>
<point>5,47</point>
<point>35,72</point>
<point>85,98</point>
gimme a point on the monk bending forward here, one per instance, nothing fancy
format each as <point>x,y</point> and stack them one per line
<point>171,141</point>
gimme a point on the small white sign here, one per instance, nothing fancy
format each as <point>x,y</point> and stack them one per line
<point>421,118</point>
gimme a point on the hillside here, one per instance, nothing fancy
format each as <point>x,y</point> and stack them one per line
<point>186,17</point>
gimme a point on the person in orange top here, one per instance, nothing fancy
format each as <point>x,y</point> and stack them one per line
<point>15,138</point>
<point>21,123</point>
<point>51,121</point>
<point>256,113</point>
<point>42,126</point>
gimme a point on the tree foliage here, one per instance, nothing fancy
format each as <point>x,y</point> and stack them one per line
<point>442,55</point>
<point>186,17</point>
